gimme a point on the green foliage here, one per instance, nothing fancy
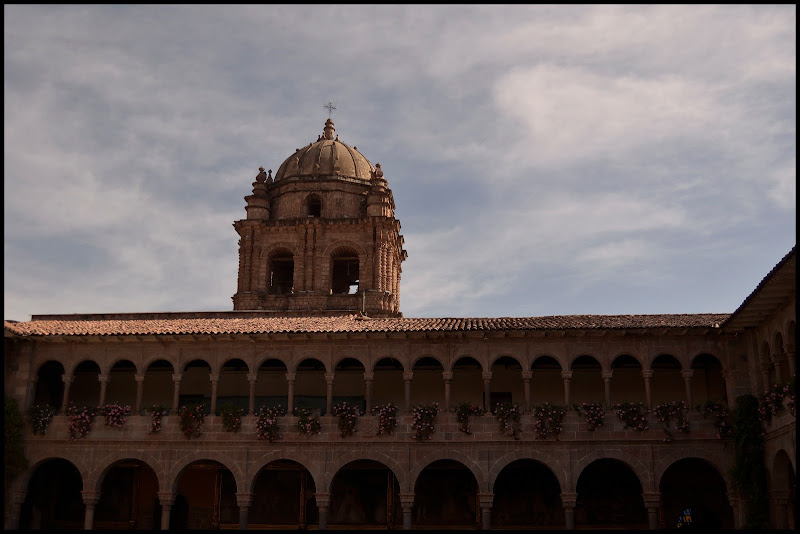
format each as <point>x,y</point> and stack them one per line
<point>231,416</point>
<point>464,410</point>
<point>749,470</point>
<point>13,446</point>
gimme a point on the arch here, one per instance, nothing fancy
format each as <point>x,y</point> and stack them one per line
<point>451,454</point>
<point>291,456</point>
<point>388,385</point>
<point>272,389</point>
<point>587,379</point>
<point>666,361</point>
<point>714,458</point>
<point>349,385</point>
<point>53,499</point>
<point>547,384</point>
<point>189,458</point>
<point>195,385</point>
<point>86,361</point>
<point>361,492</point>
<point>424,358</point>
<point>783,490</point>
<point>267,359</point>
<point>627,383</point>
<point>158,358</point>
<point>193,483</point>
<point>49,384</point>
<point>636,465</point>
<point>280,271</point>
<point>128,492</point>
<point>122,382</point>
<point>504,357</point>
<point>348,247</point>
<point>399,472</point>
<point>158,387</point>
<point>609,494</point>
<point>696,485</point>
<point>154,461</point>
<point>345,270</point>
<point>388,361</point>
<point>467,382</point>
<point>781,359</point>
<point>427,385</point>
<point>233,388</point>
<point>667,382</point>
<point>348,363</point>
<point>466,360</point>
<point>545,361</point>
<point>85,387</point>
<point>707,382</point>
<point>309,364</point>
<point>507,384</point>
<point>283,495</point>
<point>311,387</point>
<point>446,493</point>
<point>526,494</point>
<point>546,460</point>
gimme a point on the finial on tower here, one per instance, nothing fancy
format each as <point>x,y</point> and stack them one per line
<point>330,107</point>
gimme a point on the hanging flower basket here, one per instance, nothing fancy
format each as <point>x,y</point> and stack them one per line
<point>231,417</point>
<point>721,415</point>
<point>40,416</point>
<point>157,411</point>
<point>348,415</point>
<point>633,415</point>
<point>267,422</point>
<point>509,414</point>
<point>307,423</point>
<point>424,420</point>
<point>80,420</point>
<point>115,414</point>
<point>191,418</point>
<point>549,419</point>
<point>670,413</point>
<point>593,412</point>
<point>387,418</point>
<point>463,412</point>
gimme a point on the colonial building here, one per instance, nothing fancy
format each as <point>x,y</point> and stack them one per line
<point>316,323</point>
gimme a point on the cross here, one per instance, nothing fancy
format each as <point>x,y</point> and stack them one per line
<point>330,107</point>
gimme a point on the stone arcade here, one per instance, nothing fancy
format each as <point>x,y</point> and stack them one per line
<point>316,321</point>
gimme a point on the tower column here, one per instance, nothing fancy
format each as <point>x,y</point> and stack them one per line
<point>651,501</point>
<point>167,499</point>
<point>252,378</point>
<point>487,390</point>
<point>90,499</point>
<point>407,503</point>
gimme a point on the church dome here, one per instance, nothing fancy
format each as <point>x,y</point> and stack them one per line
<point>326,157</point>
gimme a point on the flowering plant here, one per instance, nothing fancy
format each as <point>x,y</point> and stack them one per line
<point>594,413</point>
<point>463,411</point>
<point>548,419</point>
<point>267,422</point>
<point>633,414</point>
<point>115,414</point>
<point>157,411</point>
<point>80,420</point>
<point>676,411</point>
<point>231,417</point>
<point>424,423</point>
<point>306,423</point>
<point>347,414</point>
<point>771,403</point>
<point>721,414</point>
<point>509,414</point>
<point>191,418</point>
<point>387,417</point>
<point>40,416</point>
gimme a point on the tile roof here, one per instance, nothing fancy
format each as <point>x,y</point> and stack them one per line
<point>219,323</point>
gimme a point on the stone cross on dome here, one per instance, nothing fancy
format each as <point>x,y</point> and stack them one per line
<point>330,107</point>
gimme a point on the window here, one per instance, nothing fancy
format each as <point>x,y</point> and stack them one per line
<point>314,206</point>
<point>344,274</point>
<point>281,273</point>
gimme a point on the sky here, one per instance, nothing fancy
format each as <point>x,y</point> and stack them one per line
<point>544,160</point>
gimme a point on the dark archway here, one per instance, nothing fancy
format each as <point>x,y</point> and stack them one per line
<point>85,387</point>
<point>311,388</point>
<point>365,494</point>
<point>209,490</point>
<point>527,495</point>
<point>272,390</point>
<point>467,383</point>
<point>388,383</point>
<point>627,383</point>
<point>128,498</point>
<point>427,386</point>
<point>234,388</point>
<point>281,272</point>
<point>546,382</point>
<point>54,500</point>
<point>446,495</point>
<point>283,497</point>
<point>345,275</point>
<point>609,496</point>
<point>507,384</point>
<point>348,383</point>
<point>196,384</point>
<point>121,386</point>
<point>693,493</point>
<point>50,384</point>
<point>707,381</point>
<point>587,380</point>
<point>783,489</point>
<point>158,387</point>
<point>667,383</point>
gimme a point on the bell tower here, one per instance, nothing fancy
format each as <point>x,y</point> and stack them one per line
<point>321,237</point>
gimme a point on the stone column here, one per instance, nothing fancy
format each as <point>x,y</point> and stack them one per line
<point>728,377</point>
<point>368,377</point>
<point>687,379</point>
<point>778,373</point>
<point>11,521</point>
<point>323,502</point>
<point>90,499</point>
<point>568,502</point>
<point>448,377</point>
<point>738,510</point>
<point>167,499</point>
<point>527,376</point>
<point>103,385</point>
<point>780,501</point>
<point>567,376</point>
<point>290,378</point>
<point>647,375</point>
<point>607,385</point>
<point>139,393</point>
<point>651,501</point>
<point>407,379</point>
<point>252,378</point>
<point>487,390</point>
<point>789,350</point>
<point>65,399</point>
<point>30,393</point>
<point>486,500</point>
<point>176,391</point>
<point>765,375</point>
<point>214,383</point>
<point>329,393</point>
<point>407,503</point>
<point>243,500</point>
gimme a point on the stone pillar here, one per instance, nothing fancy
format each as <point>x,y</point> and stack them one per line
<point>567,377</point>
<point>527,376</point>
<point>368,377</point>
<point>329,393</point>
<point>11,521</point>
<point>30,393</point>
<point>687,379</point>
<point>778,373</point>
<point>486,500</point>
<point>647,375</point>
<point>103,385</point>
<point>448,377</point>
<point>738,510</point>
<point>765,375</point>
<point>290,378</point>
<point>487,390</point>
<point>651,501</point>
<point>607,385</point>
<point>214,383</point>
<point>167,499</point>
<point>90,499</point>
<point>728,377</point>
<point>568,502</point>
<point>243,500</point>
<point>407,503</point>
<point>407,379</point>
<point>252,378</point>
<point>789,350</point>
<point>780,500</point>
<point>176,391</point>
<point>139,393</point>
<point>323,502</point>
<point>65,399</point>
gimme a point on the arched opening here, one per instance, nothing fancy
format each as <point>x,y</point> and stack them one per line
<point>283,497</point>
<point>781,360</point>
<point>766,361</point>
<point>196,384</point>
<point>272,390</point>
<point>158,386</point>
<point>348,384</point>
<point>783,492</point>
<point>208,492</point>
<point>365,494</point>
<point>50,385</point>
<point>527,495</point>
<point>667,382</point>
<point>507,384</point>
<point>54,500</point>
<point>128,498</point>
<point>587,380</point>
<point>446,495</point>
<point>85,388</point>
<point>427,385</point>
<point>121,385</point>
<point>233,389</point>
<point>609,496</point>
<point>314,206</point>
<point>311,389</point>
<point>281,272</point>
<point>467,383</point>
<point>546,382</point>
<point>693,494</point>
<point>345,276</point>
<point>707,381</point>
<point>388,382</point>
<point>627,383</point>
<point>790,348</point>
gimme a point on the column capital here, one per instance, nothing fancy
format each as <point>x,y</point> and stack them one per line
<point>447,375</point>
<point>90,497</point>
<point>66,379</point>
<point>102,378</point>
<point>486,375</point>
<point>323,499</point>
<point>18,496</point>
<point>569,500</point>
<point>566,375</point>
<point>291,377</point>
<point>647,374</point>
<point>651,500</point>
<point>369,377</point>
<point>33,379</point>
<point>166,498</point>
<point>213,377</point>
<point>252,377</point>
<point>607,375</point>
<point>687,374</point>
<point>408,376</point>
<point>527,375</point>
<point>329,377</point>
<point>406,499</point>
<point>243,500</point>
<point>139,378</point>
<point>177,377</point>
<point>486,499</point>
